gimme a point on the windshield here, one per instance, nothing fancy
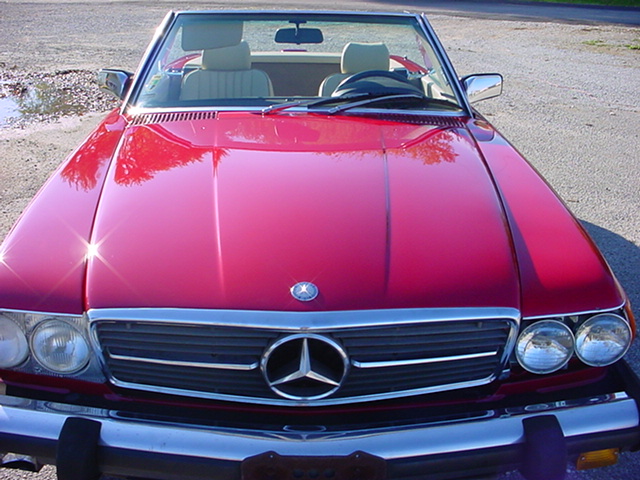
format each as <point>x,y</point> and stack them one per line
<point>265,61</point>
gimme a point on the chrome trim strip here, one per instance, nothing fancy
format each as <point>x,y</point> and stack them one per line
<point>302,321</point>
<point>175,363</point>
<point>294,13</point>
<point>500,311</point>
<point>447,65</point>
<point>304,403</point>
<point>43,420</point>
<point>577,314</point>
<point>420,361</point>
<point>156,41</point>
<point>44,314</point>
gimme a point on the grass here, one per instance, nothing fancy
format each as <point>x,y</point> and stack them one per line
<point>635,45</point>
<point>595,43</point>
<point>609,3</point>
<point>601,43</point>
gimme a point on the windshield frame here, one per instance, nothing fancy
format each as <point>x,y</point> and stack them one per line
<point>418,22</point>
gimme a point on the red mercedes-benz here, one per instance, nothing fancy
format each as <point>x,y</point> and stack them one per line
<point>297,252</point>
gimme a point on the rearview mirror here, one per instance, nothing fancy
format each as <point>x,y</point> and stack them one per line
<point>299,35</point>
<point>115,81</point>
<point>482,86</point>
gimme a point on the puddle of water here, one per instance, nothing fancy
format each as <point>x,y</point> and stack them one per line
<point>37,102</point>
<point>8,110</point>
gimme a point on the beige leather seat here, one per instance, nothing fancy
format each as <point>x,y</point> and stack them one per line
<point>356,57</point>
<point>225,71</point>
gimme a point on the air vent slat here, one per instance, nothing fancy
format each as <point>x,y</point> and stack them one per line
<point>166,117</point>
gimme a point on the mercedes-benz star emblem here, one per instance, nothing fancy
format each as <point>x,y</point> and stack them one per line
<point>305,367</point>
<point>304,291</point>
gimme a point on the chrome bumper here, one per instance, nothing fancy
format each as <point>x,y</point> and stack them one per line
<point>34,428</point>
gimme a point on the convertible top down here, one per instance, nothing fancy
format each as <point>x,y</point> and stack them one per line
<point>297,251</point>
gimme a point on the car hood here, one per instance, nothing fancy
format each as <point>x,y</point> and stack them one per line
<point>229,212</point>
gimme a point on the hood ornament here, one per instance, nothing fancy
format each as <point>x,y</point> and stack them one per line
<point>304,291</point>
<point>305,367</point>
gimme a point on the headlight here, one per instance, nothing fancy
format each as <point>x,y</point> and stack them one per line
<point>13,344</point>
<point>59,347</point>
<point>545,346</point>
<point>603,340</point>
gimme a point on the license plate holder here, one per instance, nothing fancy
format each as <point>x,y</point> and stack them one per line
<point>272,466</point>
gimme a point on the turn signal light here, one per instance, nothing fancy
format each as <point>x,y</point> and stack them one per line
<point>597,459</point>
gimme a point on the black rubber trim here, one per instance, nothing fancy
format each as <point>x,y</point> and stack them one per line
<point>629,378</point>
<point>623,439</point>
<point>77,455</point>
<point>44,450</point>
<point>545,449</point>
<point>133,463</point>
<point>476,463</point>
<point>492,461</point>
<point>631,383</point>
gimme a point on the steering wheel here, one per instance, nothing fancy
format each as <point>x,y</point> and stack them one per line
<point>376,82</point>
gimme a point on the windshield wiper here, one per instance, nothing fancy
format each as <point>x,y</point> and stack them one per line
<point>393,98</point>
<point>282,106</point>
<point>313,103</point>
<point>357,100</point>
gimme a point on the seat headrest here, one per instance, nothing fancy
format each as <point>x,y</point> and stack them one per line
<point>358,57</point>
<point>236,57</point>
<point>204,36</point>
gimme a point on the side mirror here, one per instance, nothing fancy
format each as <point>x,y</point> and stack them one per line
<point>115,81</point>
<point>482,86</point>
<point>299,35</point>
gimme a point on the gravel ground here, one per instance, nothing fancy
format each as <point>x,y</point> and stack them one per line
<point>571,105</point>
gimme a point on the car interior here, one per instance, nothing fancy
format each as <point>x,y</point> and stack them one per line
<point>214,62</point>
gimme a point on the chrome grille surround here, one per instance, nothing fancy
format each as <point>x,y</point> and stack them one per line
<point>216,354</point>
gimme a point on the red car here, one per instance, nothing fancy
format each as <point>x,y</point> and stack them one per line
<point>296,251</point>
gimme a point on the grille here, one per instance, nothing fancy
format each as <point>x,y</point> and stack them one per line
<point>386,361</point>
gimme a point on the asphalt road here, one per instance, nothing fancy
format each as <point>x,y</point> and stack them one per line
<point>571,104</point>
<point>535,11</point>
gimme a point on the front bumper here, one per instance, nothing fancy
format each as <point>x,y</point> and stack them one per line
<point>496,440</point>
